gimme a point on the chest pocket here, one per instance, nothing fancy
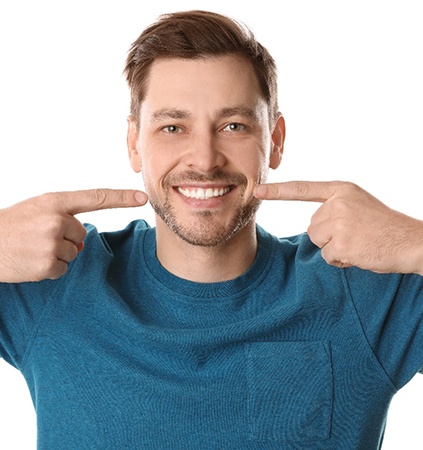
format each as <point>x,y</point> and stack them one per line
<point>290,389</point>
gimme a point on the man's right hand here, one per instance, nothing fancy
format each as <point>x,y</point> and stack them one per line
<point>40,236</point>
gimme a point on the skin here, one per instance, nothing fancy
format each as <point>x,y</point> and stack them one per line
<point>40,236</point>
<point>189,139</point>
<point>204,125</point>
<point>353,228</point>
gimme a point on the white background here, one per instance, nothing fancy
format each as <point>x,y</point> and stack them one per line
<point>350,90</point>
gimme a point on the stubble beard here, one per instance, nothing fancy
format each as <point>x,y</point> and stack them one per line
<point>203,230</point>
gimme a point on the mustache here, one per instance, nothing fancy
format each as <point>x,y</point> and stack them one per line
<point>221,176</point>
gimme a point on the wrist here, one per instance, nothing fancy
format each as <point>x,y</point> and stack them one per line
<point>417,249</point>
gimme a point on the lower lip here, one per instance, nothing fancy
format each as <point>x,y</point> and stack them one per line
<point>210,203</point>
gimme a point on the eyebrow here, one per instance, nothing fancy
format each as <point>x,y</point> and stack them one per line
<point>170,113</point>
<point>175,113</point>
<point>238,111</point>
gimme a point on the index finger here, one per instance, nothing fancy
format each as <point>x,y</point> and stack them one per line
<point>95,199</point>
<point>309,191</point>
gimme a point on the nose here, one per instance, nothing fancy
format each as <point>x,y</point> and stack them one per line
<point>203,154</point>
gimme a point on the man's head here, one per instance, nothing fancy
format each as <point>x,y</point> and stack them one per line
<point>196,35</point>
<point>204,127</point>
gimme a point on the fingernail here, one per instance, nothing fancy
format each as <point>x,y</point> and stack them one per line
<point>260,190</point>
<point>141,197</point>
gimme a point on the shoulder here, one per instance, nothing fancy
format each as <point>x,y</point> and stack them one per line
<point>299,253</point>
<point>102,248</point>
<point>112,241</point>
<point>299,246</point>
<point>297,265</point>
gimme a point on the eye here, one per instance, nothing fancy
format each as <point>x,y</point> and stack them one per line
<point>234,126</point>
<point>172,129</point>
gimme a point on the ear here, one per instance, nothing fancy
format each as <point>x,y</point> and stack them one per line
<point>132,143</point>
<point>278,138</point>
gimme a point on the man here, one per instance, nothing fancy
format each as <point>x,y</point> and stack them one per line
<point>205,331</point>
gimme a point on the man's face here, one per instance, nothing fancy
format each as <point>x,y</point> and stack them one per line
<point>203,143</point>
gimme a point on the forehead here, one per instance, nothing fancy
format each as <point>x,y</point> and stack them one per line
<point>217,82</point>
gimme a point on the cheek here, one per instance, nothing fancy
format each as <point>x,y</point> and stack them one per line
<point>153,171</point>
<point>150,177</point>
<point>256,172</point>
<point>148,171</point>
<point>257,168</point>
<point>264,166</point>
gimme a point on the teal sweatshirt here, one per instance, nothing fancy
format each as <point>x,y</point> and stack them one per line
<point>293,354</point>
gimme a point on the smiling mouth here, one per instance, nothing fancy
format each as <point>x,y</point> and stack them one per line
<point>203,193</point>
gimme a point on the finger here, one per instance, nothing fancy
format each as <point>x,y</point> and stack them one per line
<point>75,231</point>
<point>310,191</point>
<point>96,199</point>
<point>319,235</point>
<point>59,269</point>
<point>67,251</point>
<point>332,257</point>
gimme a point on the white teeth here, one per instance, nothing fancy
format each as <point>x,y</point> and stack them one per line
<point>203,194</point>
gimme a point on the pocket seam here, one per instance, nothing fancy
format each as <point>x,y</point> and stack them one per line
<point>263,426</point>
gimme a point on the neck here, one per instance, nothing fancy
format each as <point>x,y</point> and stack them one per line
<point>206,264</point>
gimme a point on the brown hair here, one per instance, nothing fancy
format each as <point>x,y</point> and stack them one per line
<point>192,35</point>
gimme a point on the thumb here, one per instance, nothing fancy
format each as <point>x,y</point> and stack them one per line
<point>95,199</point>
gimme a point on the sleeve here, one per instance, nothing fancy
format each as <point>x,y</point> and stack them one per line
<point>22,305</point>
<point>390,310</point>
<point>21,309</point>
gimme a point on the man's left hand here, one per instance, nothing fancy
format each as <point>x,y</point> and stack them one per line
<point>353,228</point>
